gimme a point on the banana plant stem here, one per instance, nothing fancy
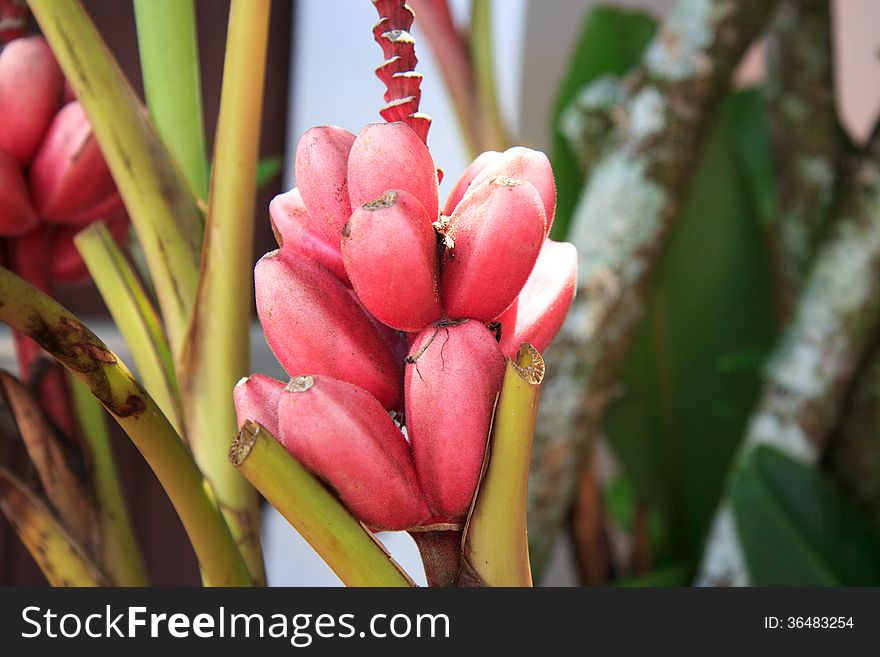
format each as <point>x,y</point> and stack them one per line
<point>60,333</point>
<point>217,353</point>
<point>441,555</point>
<point>342,542</point>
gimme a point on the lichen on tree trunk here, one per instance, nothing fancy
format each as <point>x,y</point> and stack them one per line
<point>620,226</point>
<point>806,379</point>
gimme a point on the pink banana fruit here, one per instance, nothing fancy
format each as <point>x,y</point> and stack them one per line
<point>527,164</point>
<point>69,176</point>
<point>390,253</point>
<point>256,398</point>
<point>17,215</point>
<point>461,186</point>
<point>31,84</point>
<point>321,176</point>
<point>295,231</point>
<point>497,230</point>
<point>342,434</point>
<point>313,325</point>
<point>66,264</point>
<point>450,391</point>
<point>538,312</point>
<point>391,156</point>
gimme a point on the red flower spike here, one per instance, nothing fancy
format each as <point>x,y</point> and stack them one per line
<point>295,233</point>
<point>391,156</point>
<point>538,312</point>
<point>31,84</point>
<point>344,436</point>
<point>461,187</point>
<point>321,171</point>
<point>450,386</point>
<point>256,398</point>
<point>497,231</point>
<point>403,94</point>
<point>17,215</point>
<point>527,164</point>
<point>69,177</point>
<point>313,325</point>
<point>67,265</point>
<point>390,254</point>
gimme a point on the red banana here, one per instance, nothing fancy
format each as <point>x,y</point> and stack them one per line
<point>31,84</point>
<point>461,186</point>
<point>342,434</point>
<point>390,253</point>
<point>256,398</point>
<point>17,215</point>
<point>450,389</point>
<point>295,231</point>
<point>391,156</point>
<point>538,312</point>
<point>321,170</point>
<point>313,325</point>
<point>497,232</point>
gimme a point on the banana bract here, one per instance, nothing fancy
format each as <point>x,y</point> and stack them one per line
<point>538,312</point>
<point>450,394</point>
<point>400,290</point>
<point>314,326</point>
<point>31,84</point>
<point>343,435</point>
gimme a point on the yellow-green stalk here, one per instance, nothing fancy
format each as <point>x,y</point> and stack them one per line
<point>61,334</point>
<point>494,136</point>
<point>169,51</point>
<point>217,353</point>
<point>63,561</point>
<point>117,550</point>
<point>342,542</point>
<point>495,548</point>
<point>134,316</point>
<point>160,203</point>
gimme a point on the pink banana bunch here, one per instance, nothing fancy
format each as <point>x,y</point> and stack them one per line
<point>380,299</point>
<point>53,176</point>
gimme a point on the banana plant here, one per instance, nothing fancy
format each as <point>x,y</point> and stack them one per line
<point>411,327</point>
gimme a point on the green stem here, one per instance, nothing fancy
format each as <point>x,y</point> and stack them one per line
<point>134,315</point>
<point>494,136</point>
<point>169,52</point>
<point>63,561</point>
<point>495,548</point>
<point>117,548</point>
<point>161,206</point>
<point>341,541</point>
<point>217,354</point>
<point>60,333</point>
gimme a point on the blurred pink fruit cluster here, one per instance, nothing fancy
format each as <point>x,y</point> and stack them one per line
<point>52,174</point>
<point>381,300</point>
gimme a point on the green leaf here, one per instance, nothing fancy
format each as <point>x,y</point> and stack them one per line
<point>267,169</point>
<point>753,149</point>
<point>611,42</point>
<point>691,377</point>
<point>796,529</point>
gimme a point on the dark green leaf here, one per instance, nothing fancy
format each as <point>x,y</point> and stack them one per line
<point>753,148</point>
<point>797,530</point>
<point>691,377</point>
<point>611,42</point>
